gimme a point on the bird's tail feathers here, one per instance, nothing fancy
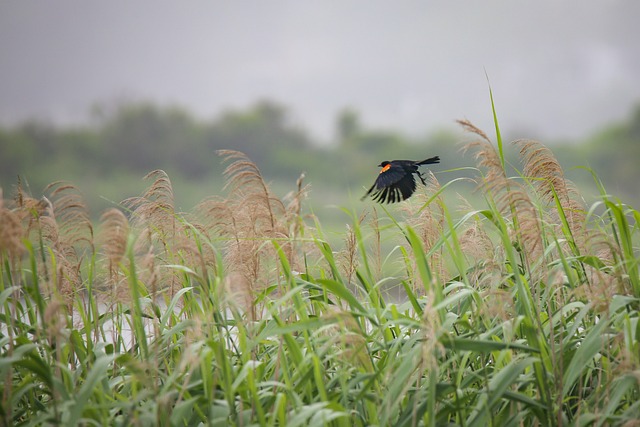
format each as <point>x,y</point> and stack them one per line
<point>429,161</point>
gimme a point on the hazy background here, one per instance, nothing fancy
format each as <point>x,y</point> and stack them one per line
<point>564,72</point>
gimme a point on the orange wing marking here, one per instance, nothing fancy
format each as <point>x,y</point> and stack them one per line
<point>386,168</point>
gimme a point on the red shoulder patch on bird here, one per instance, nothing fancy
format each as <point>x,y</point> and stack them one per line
<point>385,168</point>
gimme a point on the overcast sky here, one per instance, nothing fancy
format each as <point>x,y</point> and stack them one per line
<point>557,68</point>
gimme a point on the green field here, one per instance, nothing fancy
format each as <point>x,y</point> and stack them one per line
<point>517,308</point>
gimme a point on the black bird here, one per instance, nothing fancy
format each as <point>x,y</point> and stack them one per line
<point>395,182</point>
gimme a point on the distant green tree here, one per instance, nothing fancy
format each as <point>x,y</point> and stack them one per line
<point>143,137</point>
<point>24,150</point>
<point>263,132</point>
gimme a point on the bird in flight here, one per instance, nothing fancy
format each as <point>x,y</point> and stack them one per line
<point>396,182</point>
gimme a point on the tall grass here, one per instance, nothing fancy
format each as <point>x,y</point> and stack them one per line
<point>520,311</point>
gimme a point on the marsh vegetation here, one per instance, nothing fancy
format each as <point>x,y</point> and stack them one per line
<point>519,308</point>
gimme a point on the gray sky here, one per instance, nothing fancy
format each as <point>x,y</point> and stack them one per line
<point>557,68</point>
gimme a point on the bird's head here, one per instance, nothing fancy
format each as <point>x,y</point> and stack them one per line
<point>383,164</point>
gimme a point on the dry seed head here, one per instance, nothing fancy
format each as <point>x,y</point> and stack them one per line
<point>70,213</point>
<point>540,163</point>
<point>485,274</point>
<point>602,246</point>
<point>249,219</point>
<point>194,256</point>
<point>294,207</point>
<point>245,179</point>
<point>66,229</point>
<point>549,181</point>
<point>431,346</point>
<point>471,128</point>
<point>347,258</point>
<point>54,320</point>
<point>510,198</point>
<point>529,229</point>
<point>191,357</point>
<point>151,275</point>
<point>486,156</point>
<point>475,243</point>
<point>29,209</point>
<point>428,221</point>
<point>239,291</point>
<point>464,205</point>
<point>155,208</point>
<point>113,236</point>
<point>216,213</point>
<point>557,287</point>
<point>11,231</point>
<point>602,285</point>
<point>118,291</point>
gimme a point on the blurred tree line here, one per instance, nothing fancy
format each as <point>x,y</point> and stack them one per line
<point>141,137</point>
<point>108,157</point>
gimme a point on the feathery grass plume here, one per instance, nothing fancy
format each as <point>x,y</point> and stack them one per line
<point>71,213</point>
<point>295,225</point>
<point>611,274</point>
<point>262,215</point>
<point>430,329</point>
<point>347,258</point>
<point>428,222</point>
<point>244,177</point>
<point>476,244</point>
<point>30,211</point>
<point>68,232</point>
<point>427,360</point>
<point>194,253</point>
<point>239,293</point>
<point>599,288</point>
<point>154,214</point>
<point>241,251</point>
<point>547,177</point>
<point>151,275</point>
<point>485,274</point>
<point>294,207</point>
<point>112,237</point>
<point>510,198</point>
<point>605,275</point>
<point>11,232</point>
<point>471,128</point>
<point>480,252</point>
<point>54,318</point>
<point>249,219</point>
<point>495,180</point>
<point>155,210</point>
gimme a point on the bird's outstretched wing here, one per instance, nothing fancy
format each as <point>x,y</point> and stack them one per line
<point>407,186</point>
<point>397,191</point>
<point>389,175</point>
